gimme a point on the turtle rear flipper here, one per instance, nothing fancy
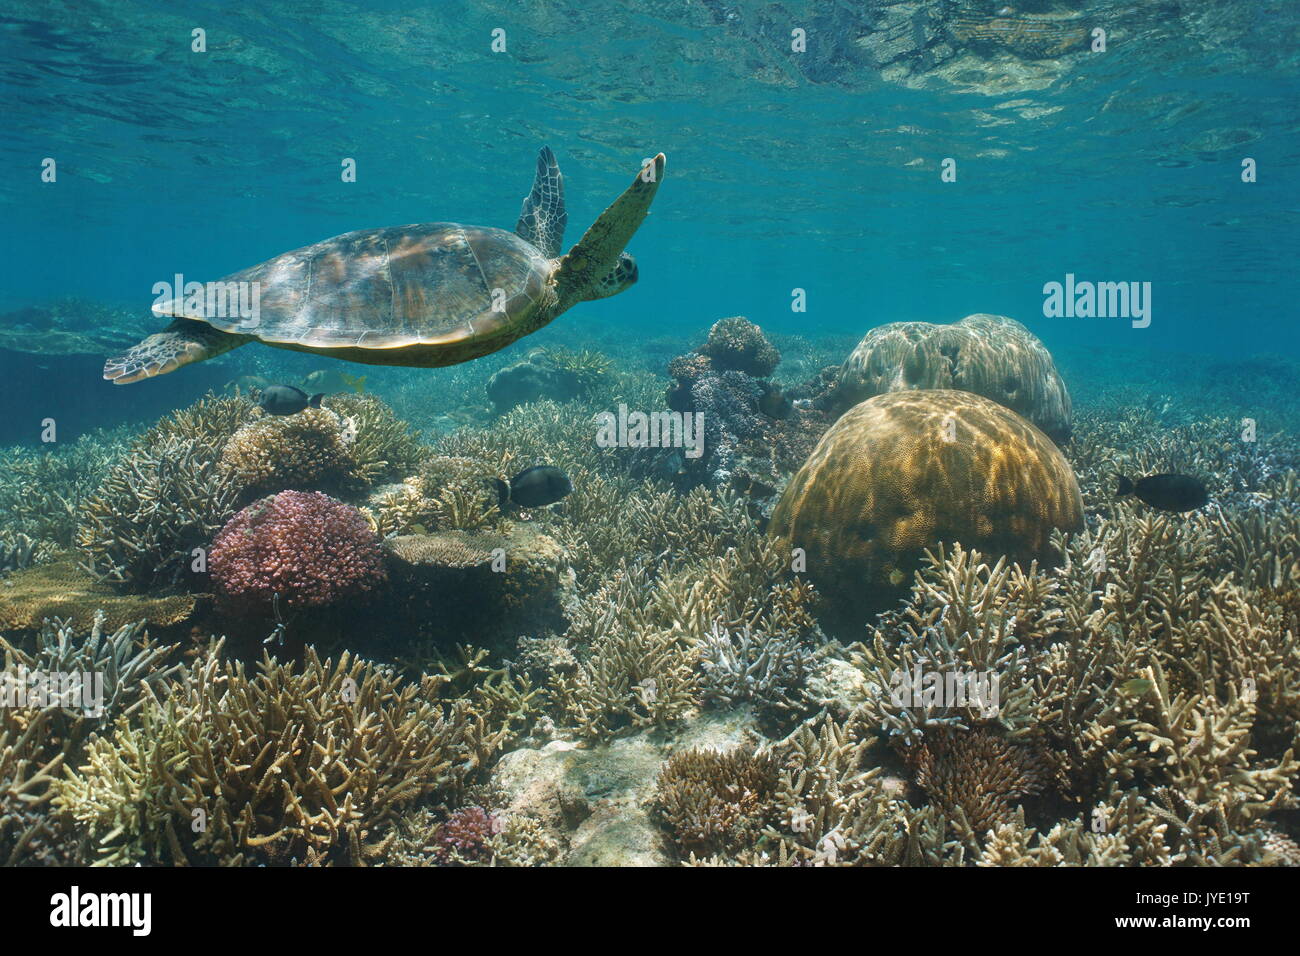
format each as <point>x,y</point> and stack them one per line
<point>181,343</point>
<point>583,272</point>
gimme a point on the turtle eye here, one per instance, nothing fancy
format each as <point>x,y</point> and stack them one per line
<point>627,269</point>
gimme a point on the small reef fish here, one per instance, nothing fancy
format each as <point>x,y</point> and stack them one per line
<point>249,384</point>
<point>1137,686</point>
<point>533,487</point>
<point>332,380</point>
<point>287,400</point>
<point>1166,492</point>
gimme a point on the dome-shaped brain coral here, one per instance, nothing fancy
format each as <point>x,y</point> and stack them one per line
<point>304,546</point>
<point>990,355</point>
<point>904,471</point>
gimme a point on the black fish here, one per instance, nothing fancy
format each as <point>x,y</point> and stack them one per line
<point>534,487</point>
<point>774,403</point>
<point>287,400</point>
<point>1166,492</point>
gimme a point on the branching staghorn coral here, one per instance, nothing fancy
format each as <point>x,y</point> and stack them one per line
<point>965,620</point>
<point>301,764</point>
<point>41,492</point>
<point>834,811</point>
<point>35,742</point>
<point>770,669</point>
<point>159,503</point>
<point>18,551</point>
<point>164,497</point>
<point>1130,664</point>
<point>632,675</point>
<point>380,444</point>
<point>29,769</point>
<point>125,663</point>
<point>716,801</point>
<point>975,776</point>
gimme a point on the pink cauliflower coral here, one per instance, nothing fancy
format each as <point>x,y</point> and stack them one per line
<point>308,548</point>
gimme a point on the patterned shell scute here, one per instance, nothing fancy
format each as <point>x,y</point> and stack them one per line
<point>428,284</point>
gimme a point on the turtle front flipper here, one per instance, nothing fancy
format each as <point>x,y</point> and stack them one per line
<point>181,343</point>
<point>596,267</point>
<point>542,220</point>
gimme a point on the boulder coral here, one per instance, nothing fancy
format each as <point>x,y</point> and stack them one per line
<point>305,451</point>
<point>904,471</point>
<point>737,344</point>
<point>990,355</point>
<point>303,547</point>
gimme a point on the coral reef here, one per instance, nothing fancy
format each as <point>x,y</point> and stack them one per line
<point>165,496</point>
<point>770,669</point>
<point>380,444</point>
<point>752,434</point>
<point>302,764</point>
<point>906,470</point>
<point>39,739</point>
<point>559,375</point>
<point>975,775</point>
<point>990,355</point>
<point>639,674</point>
<point>301,548</point>
<point>465,836</point>
<point>493,586</point>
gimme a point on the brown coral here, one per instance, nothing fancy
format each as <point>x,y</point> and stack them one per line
<point>737,343</point>
<point>293,763</point>
<point>990,355</point>
<point>904,471</point>
<point>63,590</point>
<point>977,773</point>
<point>716,801</point>
<point>304,452</point>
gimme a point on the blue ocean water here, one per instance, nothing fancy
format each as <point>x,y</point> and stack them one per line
<point>821,174</point>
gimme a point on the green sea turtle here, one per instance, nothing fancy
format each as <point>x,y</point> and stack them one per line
<point>425,295</point>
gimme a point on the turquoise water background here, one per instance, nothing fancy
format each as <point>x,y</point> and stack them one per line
<point>820,173</point>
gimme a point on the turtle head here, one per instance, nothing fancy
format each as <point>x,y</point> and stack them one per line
<point>622,276</point>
